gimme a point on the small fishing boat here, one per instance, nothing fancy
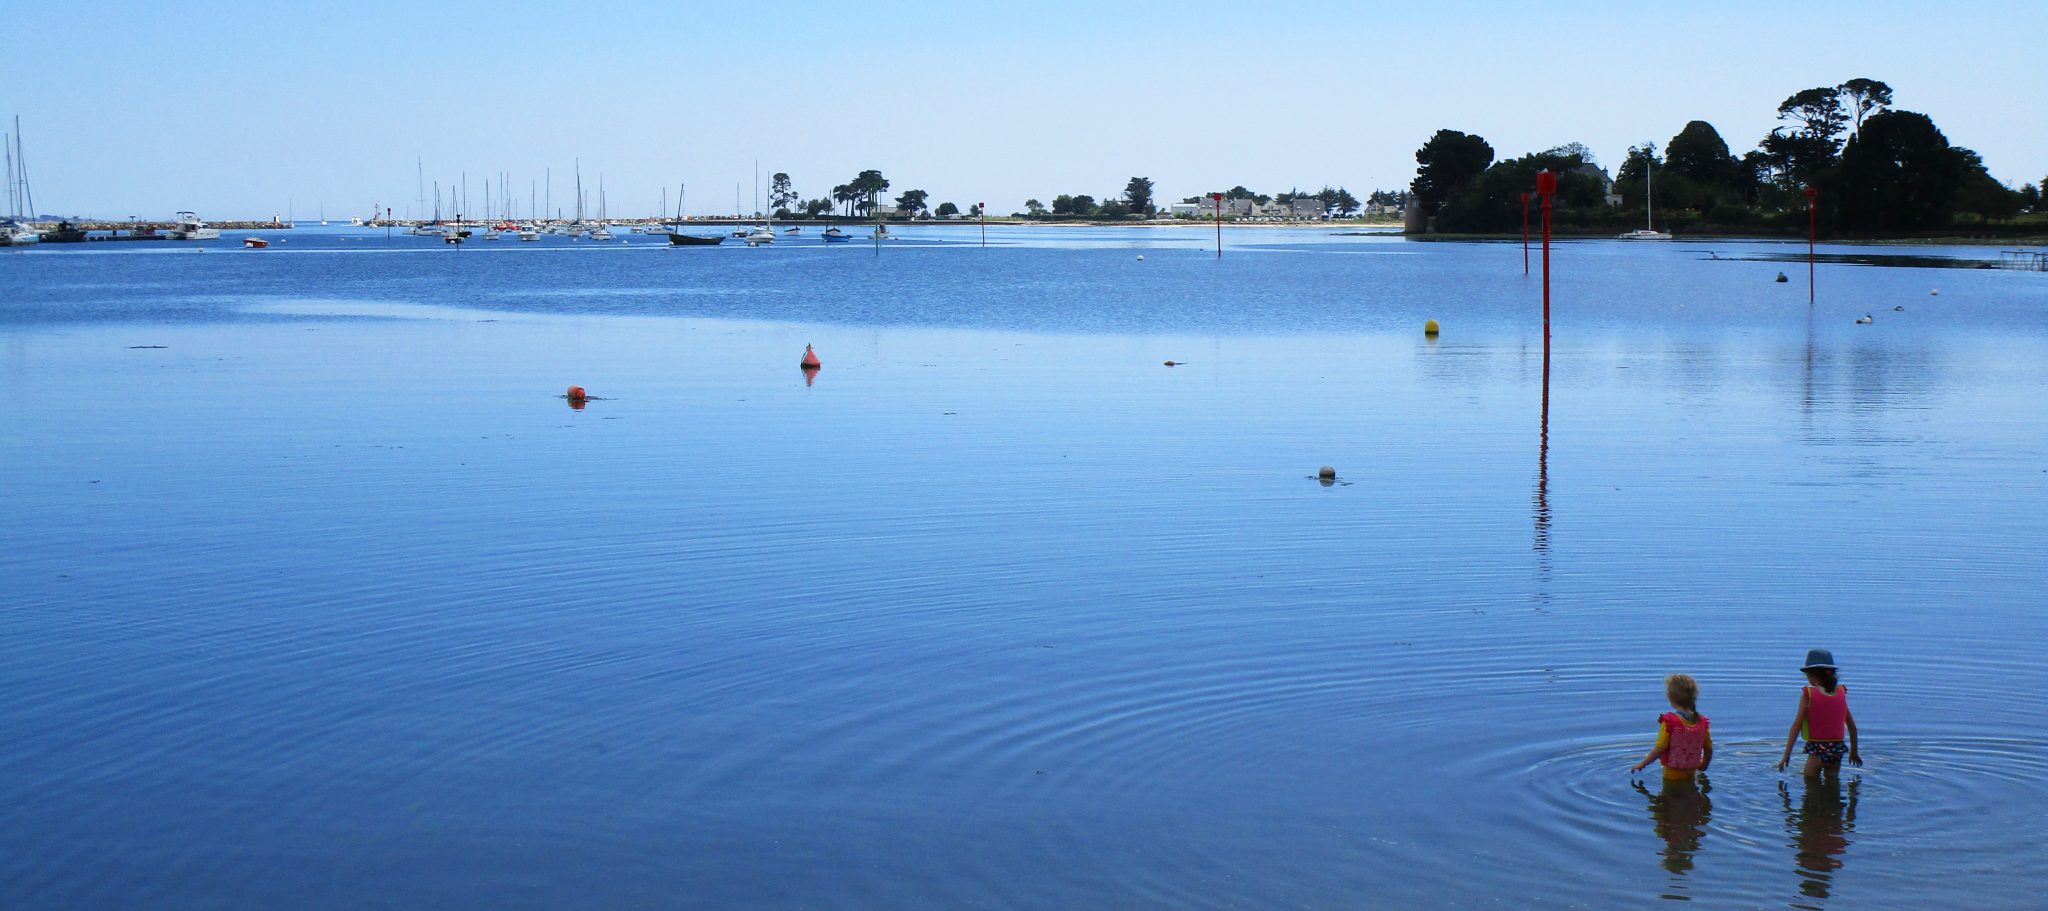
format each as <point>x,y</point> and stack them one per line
<point>255,243</point>
<point>601,232</point>
<point>528,232</point>
<point>695,240</point>
<point>792,230</point>
<point>835,236</point>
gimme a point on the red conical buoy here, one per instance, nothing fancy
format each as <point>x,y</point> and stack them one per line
<point>810,360</point>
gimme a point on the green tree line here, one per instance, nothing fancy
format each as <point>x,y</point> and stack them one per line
<point>1878,170</point>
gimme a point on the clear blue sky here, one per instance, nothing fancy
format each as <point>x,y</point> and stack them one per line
<point>238,110</point>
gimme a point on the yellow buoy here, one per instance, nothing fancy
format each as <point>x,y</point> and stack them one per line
<point>1429,328</point>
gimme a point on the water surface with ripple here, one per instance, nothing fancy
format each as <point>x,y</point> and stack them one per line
<point>319,594</point>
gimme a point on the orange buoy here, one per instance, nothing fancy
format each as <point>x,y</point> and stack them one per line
<point>576,394</point>
<point>811,359</point>
<point>1172,364</point>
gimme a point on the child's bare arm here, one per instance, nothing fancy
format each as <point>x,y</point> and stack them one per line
<point>1792,736</point>
<point>1649,757</point>
<point>1849,720</point>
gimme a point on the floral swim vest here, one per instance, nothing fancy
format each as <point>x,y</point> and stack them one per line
<point>1686,745</point>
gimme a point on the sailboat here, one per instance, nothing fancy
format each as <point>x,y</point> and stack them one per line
<point>763,233</point>
<point>15,230</point>
<point>1648,231</point>
<point>676,237</point>
<point>603,231</point>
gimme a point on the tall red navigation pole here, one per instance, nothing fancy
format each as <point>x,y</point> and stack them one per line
<point>1546,187</point>
<point>1812,231</point>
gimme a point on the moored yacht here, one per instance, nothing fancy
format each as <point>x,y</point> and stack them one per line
<point>189,227</point>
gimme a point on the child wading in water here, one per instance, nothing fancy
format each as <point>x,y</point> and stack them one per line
<point>1683,743</point>
<point>1823,718</point>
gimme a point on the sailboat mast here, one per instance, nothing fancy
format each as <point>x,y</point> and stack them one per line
<point>420,172</point>
<point>1649,193</point>
<point>13,204</point>
<point>28,193</point>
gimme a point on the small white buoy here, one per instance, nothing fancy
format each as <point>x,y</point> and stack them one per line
<point>1866,320</point>
<point>1934,293</point>
<point>1898,309</point>
<point>1141,257</point>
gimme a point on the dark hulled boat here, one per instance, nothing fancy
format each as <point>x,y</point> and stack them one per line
<point>692,240</point>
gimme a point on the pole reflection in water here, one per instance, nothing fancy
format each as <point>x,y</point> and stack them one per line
<point>1679,814</point>
<point>1819,828</point>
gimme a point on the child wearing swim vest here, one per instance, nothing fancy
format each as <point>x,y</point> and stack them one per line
<point>1823,718</point>
<point>1683,743</point>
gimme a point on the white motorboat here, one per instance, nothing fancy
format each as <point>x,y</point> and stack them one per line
<point>528,232</point>
<point>189,227</point>
<point>601,232</point>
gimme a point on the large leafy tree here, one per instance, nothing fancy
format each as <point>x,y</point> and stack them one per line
<point>866,188</point>
<point>1138,195</point>
<point>1699,153</point>
<point>1801,154</point>
<point>780,194</point>
<point>1493,200</point>
<point>1865,97</point>
<point>1445,164</point>
<point>1344,202</point>
<point>912,201</point>
<point>1898,174</point>
<point>1034,207</point>
<point>946,209</point>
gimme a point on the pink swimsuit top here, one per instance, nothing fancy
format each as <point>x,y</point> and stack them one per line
<point>1688,745</point>
<point>1826,714</point>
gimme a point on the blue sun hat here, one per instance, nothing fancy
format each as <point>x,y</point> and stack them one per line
<point>1819,659</point>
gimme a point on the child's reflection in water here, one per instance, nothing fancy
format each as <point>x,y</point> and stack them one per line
<point>1819,828</point>
<point>1680,812</point>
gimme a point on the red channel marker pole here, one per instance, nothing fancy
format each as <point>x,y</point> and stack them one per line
<point>1546,187</point>
<point>1218,199</point>
<point>1812,230</point>
<point>1525,234</point>
<point>981,208</point>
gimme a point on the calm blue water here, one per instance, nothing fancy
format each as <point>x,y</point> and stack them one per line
<point>332,600</point>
